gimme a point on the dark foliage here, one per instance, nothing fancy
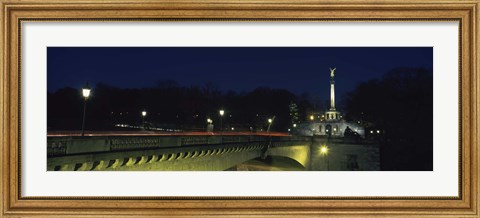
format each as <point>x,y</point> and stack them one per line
<point>169,105</point>
<point>401,105</point>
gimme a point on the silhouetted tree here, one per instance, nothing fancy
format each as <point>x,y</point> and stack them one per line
<point>401,105</point>
<point>173,106</point>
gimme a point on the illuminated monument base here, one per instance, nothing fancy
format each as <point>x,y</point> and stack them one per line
<point>332,125</point>
<point>329,128</point>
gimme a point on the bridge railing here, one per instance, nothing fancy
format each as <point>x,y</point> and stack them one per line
<point>67,145</point>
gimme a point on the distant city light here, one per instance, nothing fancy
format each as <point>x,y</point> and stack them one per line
<point>209,120</point>
<point>312,117</point>
<point>289,130</point>
<point>371,131</point>
<point>294,125</point>
<point>233,128</point>
<point>222,112</point>
<point>144,113</point>
<point>378,131</point>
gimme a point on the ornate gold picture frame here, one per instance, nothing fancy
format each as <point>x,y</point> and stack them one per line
<point>14,13</point>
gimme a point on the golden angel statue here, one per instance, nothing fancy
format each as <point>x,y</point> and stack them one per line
<point>332,72</point>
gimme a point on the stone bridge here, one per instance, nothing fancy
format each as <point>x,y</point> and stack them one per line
<point>173,153</point>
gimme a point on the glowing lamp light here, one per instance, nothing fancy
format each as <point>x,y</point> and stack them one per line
<point>270,120</point>
<point>324,150</point>
<point>378,131</point>
<point>144,113</point>
<point>222,112</point>
<point>312,117</point>
<point>371,131</point>
<point>294,125</point>
<point>86,92</point>
<point>209,120</point>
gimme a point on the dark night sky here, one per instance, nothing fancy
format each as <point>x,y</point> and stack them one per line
<point>298,69</point>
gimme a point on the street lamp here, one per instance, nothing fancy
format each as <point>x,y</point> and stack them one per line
<point>144,114</point>
<point>270,121</point>
<point>312,117</point>
<point>209,125</point>
<point>324,152</point>
<point>86,94</point>
<point>221,112</point>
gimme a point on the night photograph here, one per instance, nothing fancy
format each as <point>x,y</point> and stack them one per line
<point>239,109</point>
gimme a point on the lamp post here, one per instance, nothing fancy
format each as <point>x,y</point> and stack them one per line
<point>221,112</point>
<point>209,125</point>
<point>86,94</point>
<point>144,114</point>
<point>270,122</point>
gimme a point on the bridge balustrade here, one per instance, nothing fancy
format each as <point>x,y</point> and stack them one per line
<point>60,146</point>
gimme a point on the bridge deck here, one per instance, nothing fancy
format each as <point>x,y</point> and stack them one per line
<point>154,133</point>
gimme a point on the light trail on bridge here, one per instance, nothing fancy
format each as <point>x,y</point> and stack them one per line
<point>149,133</point>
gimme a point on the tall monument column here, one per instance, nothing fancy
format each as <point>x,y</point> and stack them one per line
<point>332,114</point>
<point>332,89</point>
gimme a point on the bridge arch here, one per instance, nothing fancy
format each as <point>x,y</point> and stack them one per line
<point>270,163</point>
